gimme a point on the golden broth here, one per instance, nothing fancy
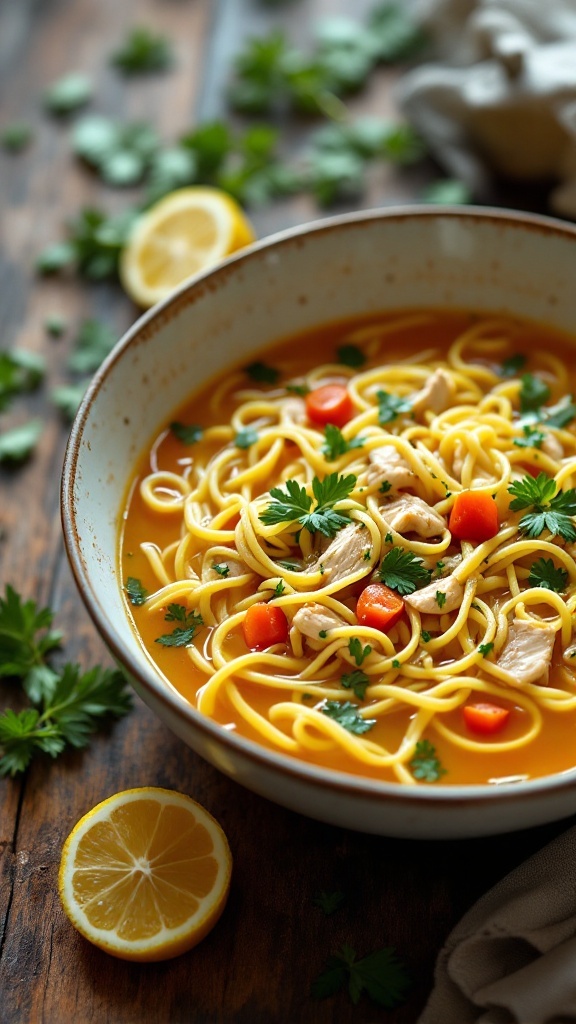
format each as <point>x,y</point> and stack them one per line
<point>152,536</point>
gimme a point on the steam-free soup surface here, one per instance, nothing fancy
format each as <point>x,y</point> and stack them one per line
<point>357,548</point>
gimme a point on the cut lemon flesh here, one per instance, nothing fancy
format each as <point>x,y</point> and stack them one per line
<point>185,232</point>
<point>145,874</point>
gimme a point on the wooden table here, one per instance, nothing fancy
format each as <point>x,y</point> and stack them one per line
<point>258,964</point>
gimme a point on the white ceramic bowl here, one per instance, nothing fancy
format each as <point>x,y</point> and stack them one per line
<point>377,260</point>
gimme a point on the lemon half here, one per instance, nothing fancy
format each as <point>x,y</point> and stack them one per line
<point>185,232</point>
<point>145,874</point>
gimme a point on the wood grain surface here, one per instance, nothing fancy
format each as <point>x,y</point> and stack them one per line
<point>259,962</point>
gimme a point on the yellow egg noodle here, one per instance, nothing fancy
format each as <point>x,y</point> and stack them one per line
<point>432,661</point>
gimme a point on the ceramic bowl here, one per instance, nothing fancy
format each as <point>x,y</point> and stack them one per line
<point>376,260</point>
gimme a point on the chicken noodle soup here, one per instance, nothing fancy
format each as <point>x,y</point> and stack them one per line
<point>358,550</point>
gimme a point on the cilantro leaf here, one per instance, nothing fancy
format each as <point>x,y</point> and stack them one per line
<point>380,975</point>
<point>335,444</point>
<point>513,364</point>
<point>295,505</point>
<point>262,374</point>
<point>135,592</point>
<point>346,714</point>
<point>533,393</point>
<point>182,635</point>
<point>390,406</point>
<point>358,652</point>
<point>425,764</point>
<point>403,571</point>
<point>440,598</point>
<point>143,51</point>
<point>356,681</point>
<point>25,640</point>
<point>551,511</point>
<point>543,573</point>
<point>485,649</point>
<point>532,438</point>
<point>188,433</point>
<point>351,355</point>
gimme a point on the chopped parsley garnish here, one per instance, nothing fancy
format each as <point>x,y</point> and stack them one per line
<point>135,592</point>
<point>329,902</point>
<point>486,648</point>
<point>351,355</point>
<point>425,764</point>
<point>221,568</point>
<point>262,374</point>
<point>358,652</point>
<point>533,393</point>
<point>550,510</point>
<point>561,414</point>
<point>246,438</point>
<point>440,598</point>
<point>367,554</point>
<point>356,681</point>
<point>385,486</point>
<point>425,636</point>
<point>188,433</point>
<point>335,444</point>
<point>323,634</point>
<point>389,538</point>
<point>512,366</point>
<point>183,634</point>
<point>391,406</point>
<point>532,438</point>
<point>294,505</point>
<point>346,714</point>
<point>543,573</point>
<point>279,588</point>
<point>298,389</point>
<point>380,975</point>
<point>395,663</point>
<point>403,571</point>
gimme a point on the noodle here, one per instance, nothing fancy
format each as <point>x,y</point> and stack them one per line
<point>442,404</point>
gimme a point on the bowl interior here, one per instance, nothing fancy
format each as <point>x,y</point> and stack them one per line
<point>376,261</point>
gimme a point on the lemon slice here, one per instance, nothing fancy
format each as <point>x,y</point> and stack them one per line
<point>187,231</point>
<point>145,874</point>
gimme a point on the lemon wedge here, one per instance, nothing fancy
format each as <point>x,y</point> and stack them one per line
<point>185,232</point>
<point>145,874</point>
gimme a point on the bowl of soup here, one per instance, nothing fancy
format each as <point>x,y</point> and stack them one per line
<point>321,505</point>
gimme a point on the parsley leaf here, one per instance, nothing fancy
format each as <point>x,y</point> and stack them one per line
<point>143,51</point>
<point>358,652</point>
<point>335,444</point>
<point>351,355</point>
<point>552,510</point>
<point>15,136</point>
<point>93,343</point>
<point>279,588</point>
<point>356,681</point>
<point>532,438</point>
<point>135,592</point>
<point>18,443</point>
<point>346,714</point>
<point>440,598</point>
<point>68,93</point>
<point>182,635</point>
<point>188,433</point>
<point>513,364</point>
<point>403,571</point>
<point>391,406</point>
<point>380,974</point>
<point>533,393</point>
<point>485,648</point>
<point>221,568</point>
<point>246,438</point>
<point>294,504</point>
<point>25,640</point>
<point>262,374</point>
<point>425,764</point>
<point>329,902</point>
<point>543,573</point>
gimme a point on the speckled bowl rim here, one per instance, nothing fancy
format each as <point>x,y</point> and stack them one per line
<point>332,780</point>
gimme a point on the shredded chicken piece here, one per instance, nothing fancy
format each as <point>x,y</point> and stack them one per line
<point>313,619</point>
<point>388,464</point>
<point>344,555</point>
<point>436,395</point>
<point>426,602</point>
<point>527,653</point>
<point>410,514</point>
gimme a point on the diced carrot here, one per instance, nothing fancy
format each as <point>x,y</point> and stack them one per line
<point>379,607</point>
<point>474,516</point>
<point>264,625</point>
<point>330,403</point>
<point>485,718</point>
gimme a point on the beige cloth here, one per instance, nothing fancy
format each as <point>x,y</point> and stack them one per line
<point>512,957</point>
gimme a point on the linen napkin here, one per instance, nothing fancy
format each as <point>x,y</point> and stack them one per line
<point>495,94</point>
<point>512,957</point>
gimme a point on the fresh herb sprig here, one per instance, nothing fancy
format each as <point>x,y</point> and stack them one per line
<point>347,715</point>
<point>543,573</point>
<point>425,763</point>
<point>65,707</point>
<point>294,504</point>
<point>335,444</point>
<point>403,571</point>
<point>550,509</point>
<point>184,633</point>
<point>381,975</point>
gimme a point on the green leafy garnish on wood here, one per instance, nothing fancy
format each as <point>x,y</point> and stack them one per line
<point>549,509</point>
<point>294,504</point>
<point>381,975</point>
<point>66,707</point>
<point>329,902</point>
<point>143,51</point>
